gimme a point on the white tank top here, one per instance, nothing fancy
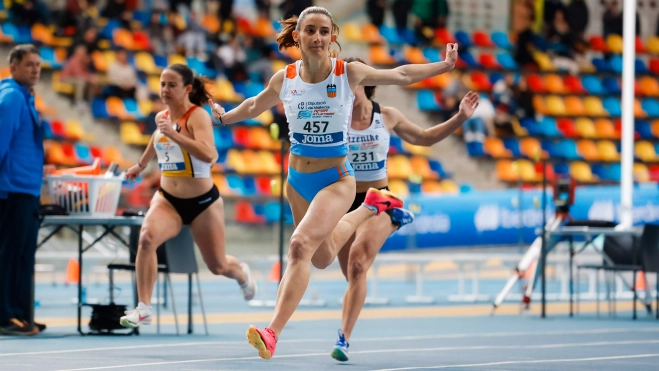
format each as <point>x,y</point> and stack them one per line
<point>173,160</point>
<point>318,114</point>
<point>369,149</point>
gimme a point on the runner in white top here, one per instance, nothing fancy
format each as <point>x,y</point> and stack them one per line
<point>186,151</point>
<point>320,186</point>
<point>369,147</point>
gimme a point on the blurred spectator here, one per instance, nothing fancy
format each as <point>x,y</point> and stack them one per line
<point>175,5</point>
<point>114,9</point>
<point>523,18</point>
<point>263,7</point>
<point>613,20</point>
<point>29,13</point>
<point>550,7</point>
<point>225,11</point>
<point>76,72</point>
<point>122,77</point>
<point>290,8</point>
<point>149,124</point>
<point>523,107</point>
<point>428,16</point>
<point>161,36</point>
<point>375,10</point>
<point>578,17</point>
<point>400,9</point>
<point>231,58</point>
<point>89,39</point>
<point>564,42</point>
<point>263,66</point>
<point>193,39</point>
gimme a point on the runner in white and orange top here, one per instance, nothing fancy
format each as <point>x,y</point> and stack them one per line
<point>317,93</point>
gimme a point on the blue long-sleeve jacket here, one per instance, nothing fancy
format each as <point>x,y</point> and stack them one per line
<point>21,141</point>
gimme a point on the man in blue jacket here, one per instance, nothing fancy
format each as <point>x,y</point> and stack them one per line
<point>21,176</point>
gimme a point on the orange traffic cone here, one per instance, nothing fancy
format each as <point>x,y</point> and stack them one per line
<point>274,272</point>
<point>641,285</point>
<point>72,271</point>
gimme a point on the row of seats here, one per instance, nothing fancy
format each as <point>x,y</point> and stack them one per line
<point>614,44</point>
<point>585,149</point>
<point>81,153</point>
<point>261,213</point>
<point>526,171</point>
<point>586,128</point>
<point>555,105</point>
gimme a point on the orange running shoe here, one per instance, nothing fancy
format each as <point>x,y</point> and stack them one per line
<point>382,200</point>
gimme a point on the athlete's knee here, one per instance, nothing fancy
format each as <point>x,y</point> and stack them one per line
<point>356,269</point>
<point>147,241</point>
<point>300,248</point>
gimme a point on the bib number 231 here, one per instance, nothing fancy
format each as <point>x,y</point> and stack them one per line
<point>316,126</point>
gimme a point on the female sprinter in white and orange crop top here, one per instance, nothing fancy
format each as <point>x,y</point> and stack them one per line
<point>369,148</point>
<point>184,144</point>
<point>317,93</point>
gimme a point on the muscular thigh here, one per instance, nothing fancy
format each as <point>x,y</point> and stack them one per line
<point>208,232</point>
<point>161,222</point>
<point>326,209</point>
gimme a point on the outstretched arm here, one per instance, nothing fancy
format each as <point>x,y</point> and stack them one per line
<point>251,107</point>
<point>361,74</point>
<point>413,134</point>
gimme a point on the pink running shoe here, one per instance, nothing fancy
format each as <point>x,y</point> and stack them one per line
<point>382,200</point>
<point>264,341</point>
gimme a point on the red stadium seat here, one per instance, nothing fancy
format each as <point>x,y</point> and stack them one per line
<point>482,39</point>
<point>536,83</point>
<point>488,61</point>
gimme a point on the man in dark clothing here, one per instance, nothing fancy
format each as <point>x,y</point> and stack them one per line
<point>21,176</point>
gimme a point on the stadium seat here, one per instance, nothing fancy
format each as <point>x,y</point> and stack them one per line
<point>482,39</point>
<point>641,173</point>
<point>116,108</point>
<point>379,55</point>
<point>555,105</point>
<point>600,171</point>
<point>536,83</point>
<point>645,151</point>
<point>614,172</point>
<point>640,67</point>
<point>649,86</point>
<point>653,45</point>
<point>581,172</point>
<point>131,134</point>
<point>468,59</point>
<point>371,34</point>
<point>544,61</point>
<point>614,43</point>
<point>426,101</point>
<point>113,154</point>
<point>592,84</point>
<point>530,147</point>
<point>567,128</point>
<point>554,84</point>
<point>585,128</point>
<point>414,55</point>
<point>594,106</point>
<point>512,145</point>
<point>608,151</point>
<point>488,60</point>
<point>395,145</point>
<point>611,85</point>
<point>549,127</point>
<point>574,106</point>
<point>417,150</point>
<point>399,187</point>
<point>235,184</point>
<point>82,154</point>
<point>651,107</point>
<point>539,104</point>
<point>462,38</point>
<point>431,187</point>
<point>449,186</point>
<point>526,170</point>
<point>235,161</point>
<point>437,167</point>
<point>501,40</point>
<point>505,171</point>
<point>643,129</point>
<point>268,163</point>
<point>507,61</point>
<point>481,81</point>
<point>588,150</point>
<point>223,138</point>
<point>655,128</point>
<point>351,32</point>
<point>54,153</point>
<point>568,149</point>
<point>604,129</point>
<point>573,84</point>
<point>390,34</point>
<point>597,43</point>
<point>531,126</point>
<point>494,147</point>
<point>263,185</point>
<point>432,55</point>
<point>654,65</point>
<point>654,173</point>
<point>145,63</point>
<point>616,64</point>
<point>399,167</point>
<point>252,161</point>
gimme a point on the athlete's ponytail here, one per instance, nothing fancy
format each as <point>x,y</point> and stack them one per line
<point>368,90</point>
<point>285,36</point>
<point>198,95</point>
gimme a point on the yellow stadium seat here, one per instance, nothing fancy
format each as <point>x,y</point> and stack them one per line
<point>421,167</point>
<point>268,163</point>
<point>145,106</point>
<point>449,186</point>
<point>351,32</point>
<point>588,150</point>
<point>278,65</point>
<point>131,134</point>
<point>526,170</point>
<point>235,161</point>
<point>416,150</point>
<point>153,82</point>
<point>574,106</point>
<point>144,62</point>
<point>378,54</point>
<point>544,61</point>
<point>74,130</point>
<point>555,105</point>
<point>653,45</point>
<point>585,128</point>
<point>641,172</point>
<point>608,151</point>
<point>59,86</point>
<point>614,43</point>
<point>505,171</point>
<point>265,118</point>
<point>399,167</point>
<point>594,107</point>
<point>399,187</point>
<point>225,92</point>
<point>581,172</point>
<point>177,59</point>
<point>645,151</point>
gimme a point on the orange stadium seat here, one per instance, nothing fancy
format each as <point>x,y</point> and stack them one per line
<point>653,45</point>
<point>371,34</point>
<point>614,44</point>
<point>588,150</point>
<point>655,128</point>
<point>222,185</point>
<point>421,166</point>
<point>378,54</point>
<point>574,106</point>
<point>531,148</point>
<point>495,148</point>
<point>399,167</point>
<point>641,172</point>
<point>123,38</point>
<point>252,163</point>
<point>649,86</point>
<point>505,171</point>
<point>414,55</point>
<point>539,104</point>
<point>54,153</point>
<point>604,129</point>
<point>638,109</point>
<point>115,107</point>
<point>431,187</point>
<point>554,84</point>
<point>211,23</point>
<point>113,154</point>
<point>608,151</point>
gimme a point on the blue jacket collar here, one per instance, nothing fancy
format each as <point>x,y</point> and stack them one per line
<point>29,97</point>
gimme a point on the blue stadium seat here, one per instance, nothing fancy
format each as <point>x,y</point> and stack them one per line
<point>223,138</point>
<point>108,30</point>
<point>651,107</point>
<point>200,68</point>
<point>235,183</point>
<point>160,61</point>
<point>82,152</point>
<point>600,170</point>
<point>656,147</point>
<point>426,101</point>
<point>601,65</point>
<point>469,59</point>
<point>644,129</point>
<point>501,40</point>
<point>475,149</point>
<point>408,37</point>
<point>592,84</point>
<point>463,39</point>
<point>253,89</point>
<point>437,167</point>
<point>143,17</point>
<point>561,168</point>
<point>132,108</point>
<point>549,127</point>
<point>614,172</point>
<point>507,61</point>
<point>272,211</point>
<point>611,85</point>
<point>432,55</point>
<point>397,144</point>
<point>249,187</point>
<point>390,34</point>
<point>222,157</point>
<point>513,145</point>
<point>540,43</point>
<point>533,128</point>
<point>495,77</point>
<point>640,67</point>
<point>98,108</point>
<point>551,148</point>
<point>616,64</point>
<point>568,149</point>
<point>47,55</point>
<point>612,106</point>
<point>47,130</point>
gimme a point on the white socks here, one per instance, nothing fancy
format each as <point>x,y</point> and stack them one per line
<point>144,307</point>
